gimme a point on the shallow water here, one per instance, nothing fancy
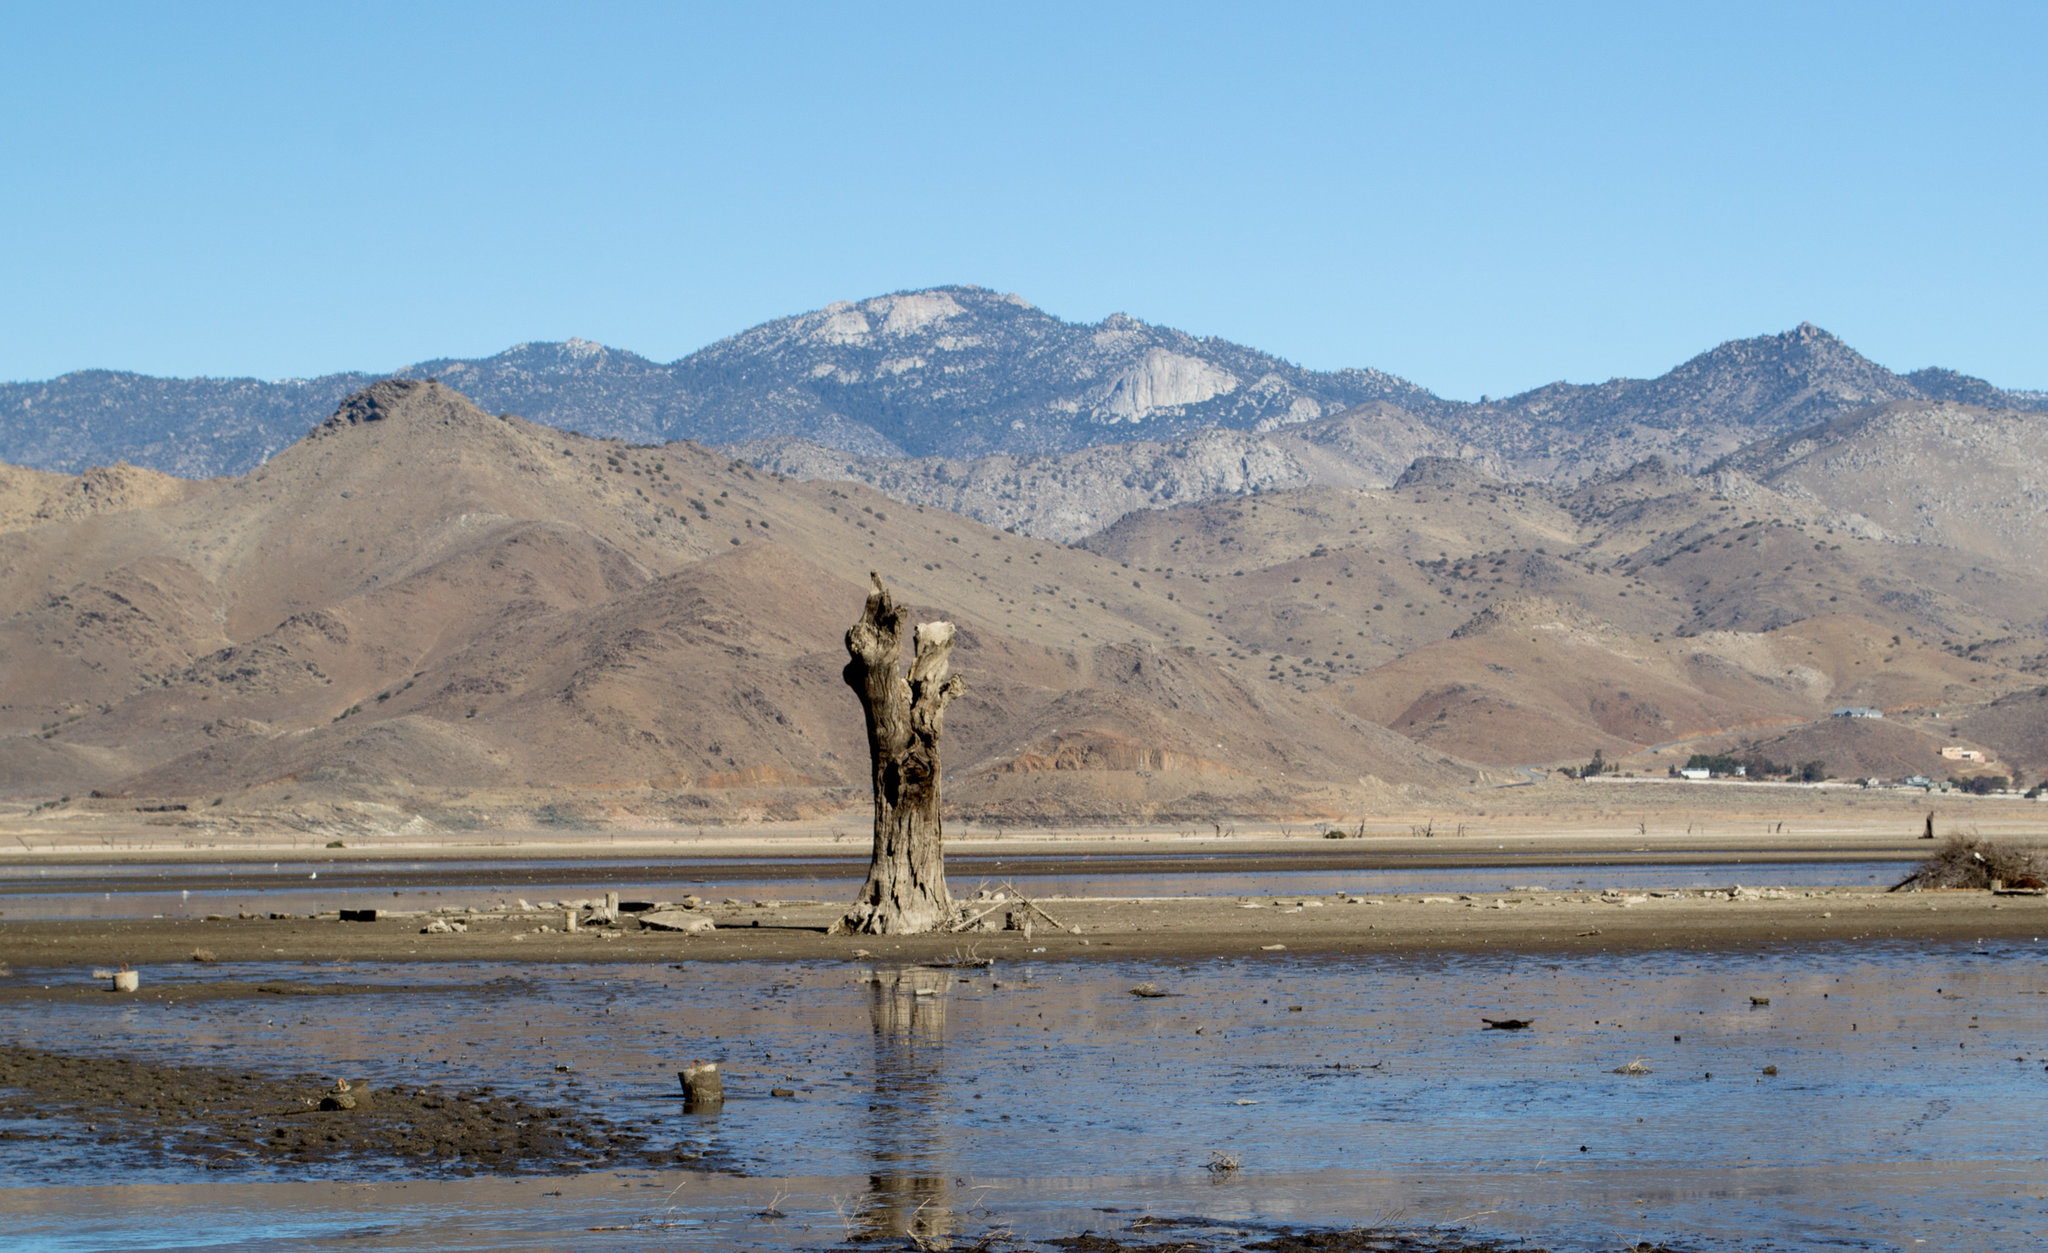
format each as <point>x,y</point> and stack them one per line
<point>1911,1086</point>
<point>152,891</point>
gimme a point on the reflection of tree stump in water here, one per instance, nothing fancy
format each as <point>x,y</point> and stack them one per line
<point>907,1193</point>
<point>908,1010</point>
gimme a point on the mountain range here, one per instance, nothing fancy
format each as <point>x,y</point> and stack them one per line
<point>422,611</point>
<point>982,403</point>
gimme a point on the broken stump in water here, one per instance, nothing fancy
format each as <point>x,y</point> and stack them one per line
<point>702,1088</point>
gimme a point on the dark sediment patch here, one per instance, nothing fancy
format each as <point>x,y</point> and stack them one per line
<point>225,1119</point>
<point>1204,1235</point>
<point>209,990</point>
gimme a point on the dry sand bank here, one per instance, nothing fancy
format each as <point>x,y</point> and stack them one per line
<point>1564,816</point>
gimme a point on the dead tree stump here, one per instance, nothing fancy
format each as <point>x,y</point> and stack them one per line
<point>702,1087</point>
<point>905,890</point>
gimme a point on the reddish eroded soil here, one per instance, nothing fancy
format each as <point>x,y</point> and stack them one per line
<point>225,1119</point>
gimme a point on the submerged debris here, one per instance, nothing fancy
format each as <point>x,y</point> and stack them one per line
<point>969,958</point>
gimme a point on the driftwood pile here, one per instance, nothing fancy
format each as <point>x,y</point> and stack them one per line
<point>1020,908</point>
<point>1967,861</point>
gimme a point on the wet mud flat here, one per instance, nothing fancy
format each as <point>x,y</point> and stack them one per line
<point>148,1113</point>
<point>943,1105</point>
<point>944,1091</point>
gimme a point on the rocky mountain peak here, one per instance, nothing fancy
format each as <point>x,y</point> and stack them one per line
<point>965,373</point>
<point>1806,355</point>
<point>1446,472</point>
<point>404,405</point>
<point>376,402</point>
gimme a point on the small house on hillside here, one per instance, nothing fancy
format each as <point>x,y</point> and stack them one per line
<point>1858,711</point>
<point>1956,752</point>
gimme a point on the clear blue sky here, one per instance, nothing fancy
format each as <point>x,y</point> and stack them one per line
<point>1481,198</point>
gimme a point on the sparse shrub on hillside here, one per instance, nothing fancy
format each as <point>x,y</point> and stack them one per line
<point>1598,766</point>
<point>1754,765</point>
<point>1968,861</point>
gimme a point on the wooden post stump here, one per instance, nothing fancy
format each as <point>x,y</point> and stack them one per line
<point>702,1088</point>
<point>905,892</point>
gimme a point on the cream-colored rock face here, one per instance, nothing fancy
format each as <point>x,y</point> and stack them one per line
<point>1165,380</point>
<point>842,324</point>
<point>904,314</point>
<point>1301,409</point>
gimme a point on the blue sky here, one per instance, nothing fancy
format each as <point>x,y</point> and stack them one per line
<point>1481,198</point>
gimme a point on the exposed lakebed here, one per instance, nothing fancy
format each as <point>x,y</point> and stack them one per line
<point>1909,1087</point>
<point>196,889</point>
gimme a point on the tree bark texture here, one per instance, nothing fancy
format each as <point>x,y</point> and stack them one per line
<point>905,891</point>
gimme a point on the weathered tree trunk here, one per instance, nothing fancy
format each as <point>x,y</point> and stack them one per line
<point>906,888</point>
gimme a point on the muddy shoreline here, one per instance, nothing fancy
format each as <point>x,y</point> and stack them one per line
<point>108,1102</point>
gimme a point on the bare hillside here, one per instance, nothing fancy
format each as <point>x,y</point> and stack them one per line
<point>424,602</point>
<point>1516,624</point>
<point>427,607</point>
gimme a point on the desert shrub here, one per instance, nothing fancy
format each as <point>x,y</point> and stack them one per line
<point>1982,784</point>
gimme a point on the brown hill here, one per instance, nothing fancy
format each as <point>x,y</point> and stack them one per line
<point>425,606</point>
<point>1851,748</point>
<point>422,600</point>
<point>2016,724</point>
<point>1953,476</point>
<point>1514,625</point>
